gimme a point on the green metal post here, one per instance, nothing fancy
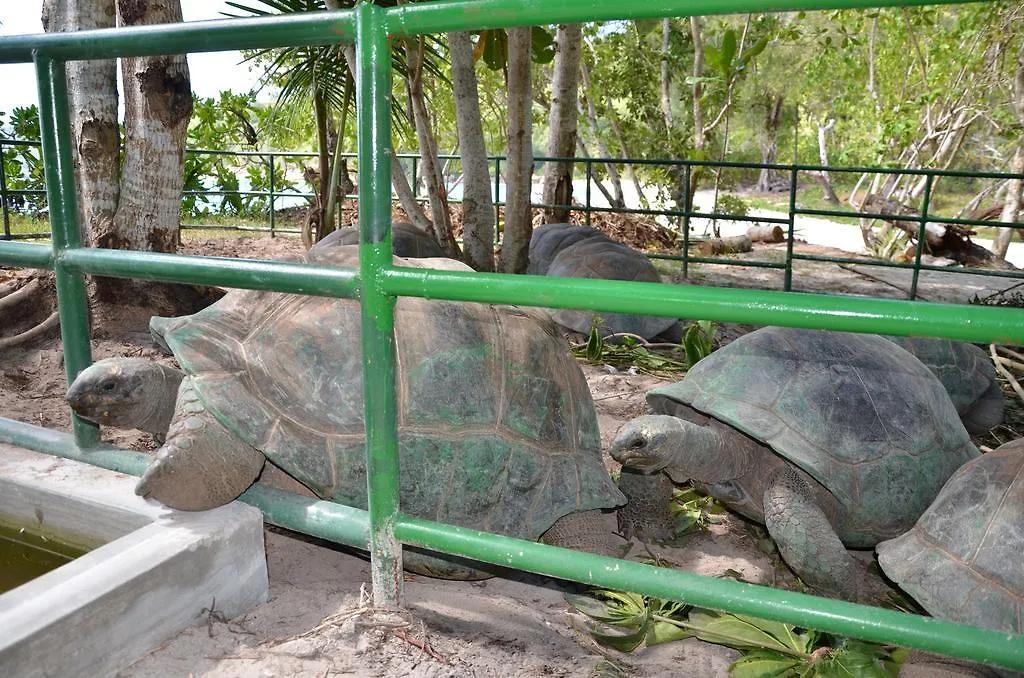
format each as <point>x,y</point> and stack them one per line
<point>3,194</point>
<point>270,184</point>
<point>498,202</point>
<point>373,87</point>
<point>687,205</point>
<point>590,175</point>
<point>55,130</point>
<point>920,235</point>
<point>788,283</point>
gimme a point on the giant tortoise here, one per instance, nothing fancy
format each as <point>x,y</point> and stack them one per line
<point>584,252</point>
<point>497,429</point>
<point>406,240</point>
<point>830,439</point>
<point>961,560</point>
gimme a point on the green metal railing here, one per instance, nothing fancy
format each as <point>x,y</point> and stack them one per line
<point>383,528</point>
<point>683,218</point>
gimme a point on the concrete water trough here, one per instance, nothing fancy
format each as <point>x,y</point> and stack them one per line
<point>158,571</point>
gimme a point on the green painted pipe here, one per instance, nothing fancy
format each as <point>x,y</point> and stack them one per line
<point>303,28</point>
<point>347,525</point>
<point>833,616</point>
<point>59,167</point>
<point>29,255</point>
<point>759,307</point>
<point>373,118</point>
<point>255,274</point>
<point>459,15</point>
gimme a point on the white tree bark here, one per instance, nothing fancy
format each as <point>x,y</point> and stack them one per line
<point>92,103</point>
<point>437,194</point>
<point>158,105</point>
<point>477,204</point>
<point>1012,202</point>
<point>617,199</point>
<point>515,243</point>
<point>562,123</point>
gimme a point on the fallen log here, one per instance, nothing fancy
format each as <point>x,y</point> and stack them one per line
<point>952,241</point>
<point>730,245</point>
<point>769,233</point>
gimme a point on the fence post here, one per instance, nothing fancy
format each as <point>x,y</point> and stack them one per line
<point>3,194</point>
<point>788,281</point>
<point>687,204</point>
<point>271,191</point>
<point>920,234</point>
<point>58,164</point>
<point>498,202</point>
<point>586,209</point>
<point>373,88</point>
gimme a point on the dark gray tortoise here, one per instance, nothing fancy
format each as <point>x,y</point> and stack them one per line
<point>406,240</point>
<point>830,439</point>
<point>548,240</point>
<point>962,560</point>
<point>497,429</point>
<point>584,252</point>
<point>968,375</point>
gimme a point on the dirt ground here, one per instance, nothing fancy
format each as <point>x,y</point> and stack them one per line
<point>316,622</point>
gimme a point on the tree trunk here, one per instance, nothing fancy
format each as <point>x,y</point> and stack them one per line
<point>698,107</point>
<point>666,101</point>
<point>158,105</point>
<point>1011,205</point>
<point>630,173</point>
<point>92,100</point>
<point>826,180</point>
<point>602,149</point>
<point>436,191</point>
<point>562,123</point>
<point>323,152</point>
<point>477,204</point>
<point>515,242</point>
<point>768,179</point>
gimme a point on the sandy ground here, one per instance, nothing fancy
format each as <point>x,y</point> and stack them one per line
<point>316,622</point>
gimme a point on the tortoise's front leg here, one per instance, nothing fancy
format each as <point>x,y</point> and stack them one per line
<point>647,514</point>
<point>202,465</point>
<point>807,541</point>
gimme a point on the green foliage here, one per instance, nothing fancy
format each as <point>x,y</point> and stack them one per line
<point>23,164</point>
<point>630,352</point>
<point>693,511</point>
<point>626,621</point>
<point>217,124</point>
<point>698,341</point>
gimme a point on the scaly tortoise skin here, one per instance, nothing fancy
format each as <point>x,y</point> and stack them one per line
<point>830,439</point>
<point>497,428</point>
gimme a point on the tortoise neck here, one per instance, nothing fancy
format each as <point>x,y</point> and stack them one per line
<point>157,417</point>
<point>708,455</point>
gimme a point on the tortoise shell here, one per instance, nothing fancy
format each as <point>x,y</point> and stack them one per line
<point>862,417</point>
<point>961,561</point>
<point>497,428</point>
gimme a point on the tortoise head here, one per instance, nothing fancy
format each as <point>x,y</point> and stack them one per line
<point>683,449</point>
<point>125,393</point>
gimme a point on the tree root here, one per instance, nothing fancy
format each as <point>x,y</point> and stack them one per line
<point>51,322</point>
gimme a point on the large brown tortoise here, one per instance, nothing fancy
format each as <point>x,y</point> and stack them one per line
<point>497,428</point>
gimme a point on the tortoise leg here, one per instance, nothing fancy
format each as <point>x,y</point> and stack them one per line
<point>585,531</point>
<point>987,412</point>
<point>806,539</point>
<point>647,514</point>
<point>202,465</point>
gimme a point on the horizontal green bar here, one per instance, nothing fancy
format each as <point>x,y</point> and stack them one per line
<point>253,274</point>
<point>346,525</point>
<point>459,15</point>
<point>833,616</point>
<point>63,445</point>
<point>885,263</point>
<point>27,254</point>
<point>279,30</point>
<point>710,260</point>
<point>759,307</point>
